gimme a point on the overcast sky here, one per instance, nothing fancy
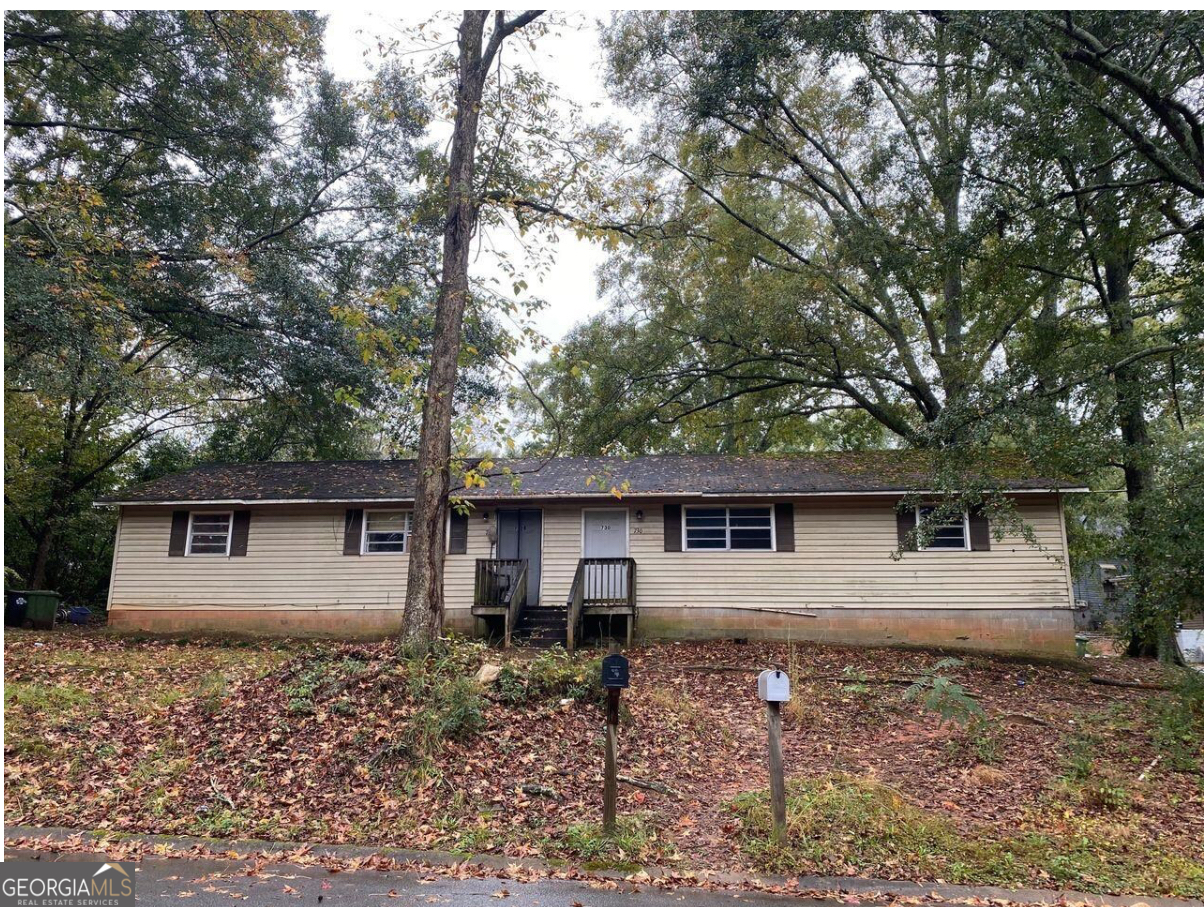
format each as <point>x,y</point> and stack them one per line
<point>570,57</point>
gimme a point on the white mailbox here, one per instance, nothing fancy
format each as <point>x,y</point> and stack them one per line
<point>773,686</point>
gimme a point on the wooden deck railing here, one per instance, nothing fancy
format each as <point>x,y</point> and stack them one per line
<point>575,603</point>
<point>500,586</point>
<point>601,582</point>
<point>517,600</point>
<point>495,581</point>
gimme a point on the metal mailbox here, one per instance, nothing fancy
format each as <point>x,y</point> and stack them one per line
<point>773,686</point>
<point>616,672</point>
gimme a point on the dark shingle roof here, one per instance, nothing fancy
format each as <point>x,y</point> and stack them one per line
<point>393,480</point>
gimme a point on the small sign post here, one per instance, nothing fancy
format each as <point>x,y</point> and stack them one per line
<point>773,687</point>
<point>616,676</point>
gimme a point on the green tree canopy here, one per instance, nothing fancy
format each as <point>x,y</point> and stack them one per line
<point>955,231</point>
<point>190,199</point>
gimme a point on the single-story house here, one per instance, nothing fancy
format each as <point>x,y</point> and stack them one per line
<point>800,547</point>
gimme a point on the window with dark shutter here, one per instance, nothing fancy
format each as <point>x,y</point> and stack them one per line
<point>209,533</point>
<point>952,535</point>
<point>387,531</point>
<point>457,538</point>
<point>729,528</point>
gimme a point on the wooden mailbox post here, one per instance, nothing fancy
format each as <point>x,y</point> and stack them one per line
<point>773,687</point>
<point>616,677</point>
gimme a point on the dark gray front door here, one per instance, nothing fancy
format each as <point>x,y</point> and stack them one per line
<point>520,535</point>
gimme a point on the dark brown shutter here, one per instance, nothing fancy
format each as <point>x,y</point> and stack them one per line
<point>353,530</point>
<point>457,542</point>
<point>673,527</point>
<point>980,530</point>
<point>179,533</point>
<point>905,520</point>
<point>783,526</point>
<point>239,533</point>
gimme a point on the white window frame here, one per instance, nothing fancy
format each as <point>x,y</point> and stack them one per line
<point>965,530</point>
<point>188,552</point>
<point>773,529</point>
<point>409,530</point>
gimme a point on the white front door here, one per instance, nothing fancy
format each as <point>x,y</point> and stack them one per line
<point>604,534</point>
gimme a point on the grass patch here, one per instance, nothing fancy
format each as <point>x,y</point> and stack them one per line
<point>449,707</point>
<point>839,825</point>
<point>1089,784</point>
<point>467,840</point>
<point>37,697</point>
<point>673,705</point>
<point>981,741</point>
<point>1178,722</point>
<point>553,674</point>
<point>322,676</point>
<point>633,844</point>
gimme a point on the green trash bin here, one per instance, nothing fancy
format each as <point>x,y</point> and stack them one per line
<point>40,607</point>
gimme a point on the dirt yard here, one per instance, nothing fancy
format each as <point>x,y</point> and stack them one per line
<point>1014,774</point>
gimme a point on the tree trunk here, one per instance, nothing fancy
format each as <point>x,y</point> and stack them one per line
<point>57,507</point>
<point>948,181</point>
<point>41,556</point>
<point>1147,637</point>
<point>423,620</point>
<point>1130,401</point>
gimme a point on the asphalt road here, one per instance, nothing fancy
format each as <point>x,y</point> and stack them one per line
<point>221,883</point>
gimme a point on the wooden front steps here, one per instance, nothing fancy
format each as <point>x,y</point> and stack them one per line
<point>543,626</point>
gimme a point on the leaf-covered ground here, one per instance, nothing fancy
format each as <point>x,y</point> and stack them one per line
<point>1060,782</point>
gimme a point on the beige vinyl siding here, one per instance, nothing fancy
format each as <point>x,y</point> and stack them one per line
<point>294,560</point>
<point>459,569</point>
<point>561,551</point>
<point>842,559</point>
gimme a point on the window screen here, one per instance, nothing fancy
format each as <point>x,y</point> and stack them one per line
<point>209,533</point>
<point>945,535</point>
<point>729,528</point>
<point>386,530</point>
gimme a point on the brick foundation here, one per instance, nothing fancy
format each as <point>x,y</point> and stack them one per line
<point>237,622</point>
<point>1045,632</point>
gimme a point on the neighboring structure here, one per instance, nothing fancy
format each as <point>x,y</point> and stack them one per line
<point>803,547</point>
<point>1101,594</point>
